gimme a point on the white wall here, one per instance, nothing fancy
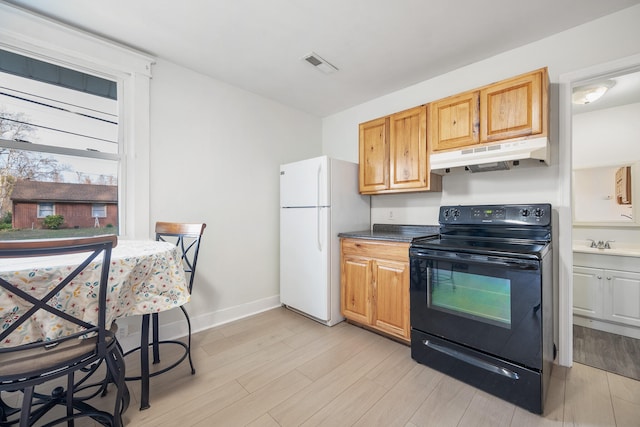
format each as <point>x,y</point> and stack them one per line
<point>603,138</point>
<point>611,37</point>
<point>600,41</point>
<point>594,197</point>
<point>606,137</point>
<point>215,155</point>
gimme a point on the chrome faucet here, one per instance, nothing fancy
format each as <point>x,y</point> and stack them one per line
<point>607,245</point>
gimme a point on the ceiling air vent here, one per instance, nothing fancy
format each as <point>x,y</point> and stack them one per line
<point>321,64</point>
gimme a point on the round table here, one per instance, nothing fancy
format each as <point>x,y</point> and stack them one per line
<point>145,276</point>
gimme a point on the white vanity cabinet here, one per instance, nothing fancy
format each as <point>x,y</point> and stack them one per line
<point>588,292</point>
<point>606,291</point>
<point>622,297</point>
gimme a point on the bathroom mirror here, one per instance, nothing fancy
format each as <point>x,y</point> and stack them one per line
<point>606,195</point>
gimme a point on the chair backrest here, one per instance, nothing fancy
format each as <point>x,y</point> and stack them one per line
<point>46,301</point>
<point>187,236</point>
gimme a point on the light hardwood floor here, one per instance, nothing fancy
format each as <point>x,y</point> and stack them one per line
<point>281,369</point>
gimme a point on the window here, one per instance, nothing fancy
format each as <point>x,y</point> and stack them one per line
<point>57,126</point>
<point>128,72</point>
<point>99,210</point>
<point>45,209</point>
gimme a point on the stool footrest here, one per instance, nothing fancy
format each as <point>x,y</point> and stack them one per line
<point>182,357</point>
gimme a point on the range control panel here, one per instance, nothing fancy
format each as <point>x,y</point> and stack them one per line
<point>534,214</point>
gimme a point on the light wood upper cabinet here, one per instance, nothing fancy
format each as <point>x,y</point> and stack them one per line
<point>408,149</point>
<point>514,108</point>
<point>454,121</point>
<point>374,279</point>
<point>393,154</point>
<point>374,155</point>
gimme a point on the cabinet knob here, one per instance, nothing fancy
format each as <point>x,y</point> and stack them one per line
<point>608,278</point>
<point>599,277</point>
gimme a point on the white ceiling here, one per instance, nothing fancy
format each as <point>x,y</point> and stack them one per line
<point>379,46</point>
<point>625,91</point>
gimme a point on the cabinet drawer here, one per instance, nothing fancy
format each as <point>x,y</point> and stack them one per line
<point>376,249</point>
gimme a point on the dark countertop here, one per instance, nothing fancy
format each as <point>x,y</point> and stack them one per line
<point>394,232</point>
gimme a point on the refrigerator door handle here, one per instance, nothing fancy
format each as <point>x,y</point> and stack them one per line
<point>318,208</point>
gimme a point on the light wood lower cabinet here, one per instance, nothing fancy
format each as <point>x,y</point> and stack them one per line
<point>375,285</point>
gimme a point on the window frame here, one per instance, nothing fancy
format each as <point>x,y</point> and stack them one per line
<point>39,209</point>
<point>29,34</point>
<point>103,207</point>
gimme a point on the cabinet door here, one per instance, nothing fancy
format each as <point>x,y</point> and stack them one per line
<point>391,297</point>
<point>514,107</point>
<point>587,292</point>
<point>622,297</point>
<point>408,149</point>
<point>374,155</point>
<point>454,121</point>
<point>355,298</point>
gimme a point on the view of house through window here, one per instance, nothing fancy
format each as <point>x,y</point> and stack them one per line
<point>59,151</point>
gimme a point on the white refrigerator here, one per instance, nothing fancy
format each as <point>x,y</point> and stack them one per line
<point>318,199</point>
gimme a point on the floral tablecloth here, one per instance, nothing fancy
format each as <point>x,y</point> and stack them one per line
<point>145,276</point>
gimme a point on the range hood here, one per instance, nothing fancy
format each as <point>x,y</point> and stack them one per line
<point>492,157</point>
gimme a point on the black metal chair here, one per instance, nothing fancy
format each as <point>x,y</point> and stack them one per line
<point>76,355</point>
<point>187,236</point>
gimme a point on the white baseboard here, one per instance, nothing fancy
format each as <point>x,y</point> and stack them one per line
<point>202,322</point>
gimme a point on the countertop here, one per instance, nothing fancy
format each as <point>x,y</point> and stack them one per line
<point>617,249</point>
<point>394,232</point>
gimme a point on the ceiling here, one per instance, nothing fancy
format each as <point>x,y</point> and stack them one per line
<point>626,90</point>
<point>379,46</point>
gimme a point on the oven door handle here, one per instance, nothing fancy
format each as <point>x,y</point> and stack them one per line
<point>521,265</point>
<point>473,360</point>
<point>511,263</point>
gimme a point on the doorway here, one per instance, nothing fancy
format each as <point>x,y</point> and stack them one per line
<point>604,168</point>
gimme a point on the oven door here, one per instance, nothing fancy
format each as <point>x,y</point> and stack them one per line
<point>484,302</point>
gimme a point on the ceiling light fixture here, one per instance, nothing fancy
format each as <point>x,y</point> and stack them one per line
<point>592,92</point>
<point>321,64</point>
